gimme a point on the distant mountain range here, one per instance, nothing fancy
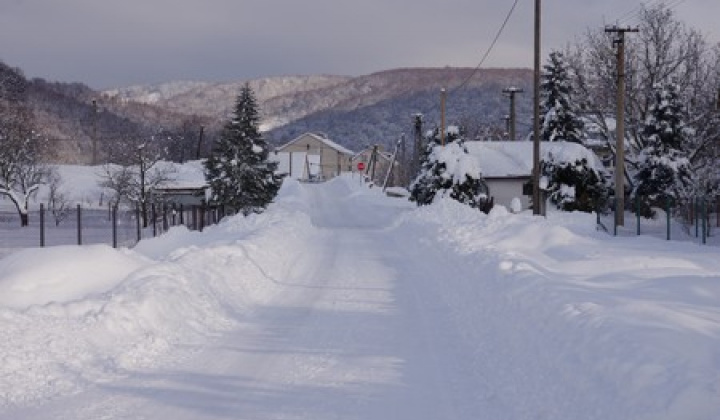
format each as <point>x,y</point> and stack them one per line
<point>352,111</point>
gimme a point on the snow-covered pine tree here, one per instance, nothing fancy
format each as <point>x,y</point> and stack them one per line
<point>571,182</point>
<point>663,167</point>
<point>449,171</point>
<point>238,170</point>
<point>559,119</point>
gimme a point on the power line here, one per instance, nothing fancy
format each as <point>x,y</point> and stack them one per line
<point>635,11</point>
<point>489,50</point>
<point>638,11</point>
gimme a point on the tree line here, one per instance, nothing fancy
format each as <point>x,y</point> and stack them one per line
<point>672,120</point>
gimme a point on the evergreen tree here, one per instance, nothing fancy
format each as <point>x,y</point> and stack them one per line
<point>238,170</point>
<point>559,120</point>
<point>663,167</point>
<point>449,171</point>
<point>573,184</point>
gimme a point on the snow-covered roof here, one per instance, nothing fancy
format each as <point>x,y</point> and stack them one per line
<point>507,159</point>
<point>323,140</point>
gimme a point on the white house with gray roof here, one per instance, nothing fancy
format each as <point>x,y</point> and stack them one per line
<point>313,156</point>
<point>507,165</point>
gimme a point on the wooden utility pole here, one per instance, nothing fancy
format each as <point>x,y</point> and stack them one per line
<point>510,92</point>
<point>443,95</point>
<point>506,118</point>
<point>94,139</point>
<point>537,205</point>
<point>619,42</point>
<point>199,143</point>
<point>417,123</point>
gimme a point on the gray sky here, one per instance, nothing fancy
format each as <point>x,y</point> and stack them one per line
<point>106,43</point>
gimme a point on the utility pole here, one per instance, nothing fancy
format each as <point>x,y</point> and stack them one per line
<point>510,92</point>
<point>94,139</point>
<point>443,95</point>
<point>417,121</point>
<point>404,170</point>
<point>506,118</point>
<point>199,143</point>
<point>619,42</point>
<point>537,205</point>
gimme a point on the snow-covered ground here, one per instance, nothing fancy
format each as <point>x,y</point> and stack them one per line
<point>341,303</point>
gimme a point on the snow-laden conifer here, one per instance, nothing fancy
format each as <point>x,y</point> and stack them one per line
<point>560,121</point>
<point>573,178</point>
<point>663,167</point>
<point>449,171</point>
<point>238,170</point>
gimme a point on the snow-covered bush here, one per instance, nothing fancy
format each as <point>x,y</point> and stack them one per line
<point>573,179</point>
<point>450,171</point>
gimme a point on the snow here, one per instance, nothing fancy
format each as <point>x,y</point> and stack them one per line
<point>515,158</point>
<point>341,302</point>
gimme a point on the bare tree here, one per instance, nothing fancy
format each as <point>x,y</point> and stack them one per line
<point>664,50</point>
<point>21,169</point>
<point>140,169</point>
<point>58,201</point>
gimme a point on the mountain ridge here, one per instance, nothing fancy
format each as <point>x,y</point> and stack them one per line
<point>354,111</point>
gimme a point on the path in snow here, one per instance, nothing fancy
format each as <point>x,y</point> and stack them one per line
<point>386,313</point>
<point>350,336</point>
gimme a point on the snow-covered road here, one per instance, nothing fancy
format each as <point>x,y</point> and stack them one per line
<point>378,310</point>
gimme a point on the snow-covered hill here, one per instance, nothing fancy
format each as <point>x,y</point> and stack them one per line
<point>353,111</point>
<point>339,302</point>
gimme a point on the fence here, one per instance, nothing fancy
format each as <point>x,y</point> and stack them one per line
<point>696,219</point>
<point>112,226</point>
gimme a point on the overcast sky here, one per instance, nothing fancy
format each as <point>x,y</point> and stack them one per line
<point>106,43</point>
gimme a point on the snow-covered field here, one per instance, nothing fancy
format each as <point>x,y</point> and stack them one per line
<point>341,303</point>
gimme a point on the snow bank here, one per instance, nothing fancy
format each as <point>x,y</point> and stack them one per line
<point>573,323</point>
<point>72,316</point>
<point>62,274</point>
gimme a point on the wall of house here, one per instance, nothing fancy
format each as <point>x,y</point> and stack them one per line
<point>331,162</point>
<point>504,190</point>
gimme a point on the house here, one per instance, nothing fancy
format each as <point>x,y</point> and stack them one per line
<point>507,165</point>
<point>186,194</point>
<point>313,156</point>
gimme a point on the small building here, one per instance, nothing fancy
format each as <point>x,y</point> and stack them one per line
<point>507,165</point>
<point>313,157</point>
<point>186,194</point>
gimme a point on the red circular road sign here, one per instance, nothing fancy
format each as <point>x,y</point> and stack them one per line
<point>361,166</point>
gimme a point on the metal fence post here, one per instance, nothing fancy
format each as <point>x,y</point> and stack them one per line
<point>42,225</point>
<point>79,225</point>
<point>113,214</point>
<point>696,205</point>
<point>165,224</point>
<point>153,214</point>
<point>137,221</point>
<point>667,215</point>
<point>704,221</point>
<point>637,213</point>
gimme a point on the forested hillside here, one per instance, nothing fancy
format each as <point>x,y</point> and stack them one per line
<point>353,111</point>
